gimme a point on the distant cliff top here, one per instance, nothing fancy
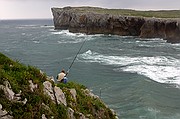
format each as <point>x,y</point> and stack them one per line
<point>125,12</point>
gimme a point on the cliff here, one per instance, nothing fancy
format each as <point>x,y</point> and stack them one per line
<point>91,20</point>
<point>27,93</point>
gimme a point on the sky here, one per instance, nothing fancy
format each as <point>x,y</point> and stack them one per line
<point>41,9</point>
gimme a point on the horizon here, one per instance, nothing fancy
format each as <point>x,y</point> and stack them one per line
<point>41,9</point>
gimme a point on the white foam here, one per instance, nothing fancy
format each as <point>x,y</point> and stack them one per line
<point>26,26</point>
<point>37,42</point>
<point>159,68</point>
<point>67,33</point>
<point>72,37</point>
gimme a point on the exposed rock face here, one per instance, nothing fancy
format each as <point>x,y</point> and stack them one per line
<point>94,23</point>
<point>71,113</point>
<point>57,95</point>
<point>60,96</point>
<point>32,86</point>
<point>73,93</point>
<point>9,93</point>
<point>4,114</point>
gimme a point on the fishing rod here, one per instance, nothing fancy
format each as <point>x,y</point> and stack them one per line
<point>75,57</point>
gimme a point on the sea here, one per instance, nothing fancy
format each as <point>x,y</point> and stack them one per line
<point>139,78</point>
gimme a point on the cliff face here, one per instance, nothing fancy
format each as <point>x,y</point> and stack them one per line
<point>75,20</point>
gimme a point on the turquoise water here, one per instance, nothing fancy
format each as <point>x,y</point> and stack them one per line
<point>138,78</point>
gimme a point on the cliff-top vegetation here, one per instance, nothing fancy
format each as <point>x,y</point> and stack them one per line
<point>130,12</point>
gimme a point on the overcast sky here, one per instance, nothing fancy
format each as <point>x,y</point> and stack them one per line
<point>29,9</point>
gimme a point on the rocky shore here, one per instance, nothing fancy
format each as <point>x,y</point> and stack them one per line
<point>78,19</point>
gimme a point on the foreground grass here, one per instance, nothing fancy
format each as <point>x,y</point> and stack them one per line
<point>18,75</point>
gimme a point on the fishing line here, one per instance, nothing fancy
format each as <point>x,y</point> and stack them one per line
<point>75,57</point>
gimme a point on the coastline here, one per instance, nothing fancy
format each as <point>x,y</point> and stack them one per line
<point>86,20</point>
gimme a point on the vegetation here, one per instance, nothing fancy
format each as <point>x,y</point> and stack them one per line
<point>18,75</point>
<point>129,12</point>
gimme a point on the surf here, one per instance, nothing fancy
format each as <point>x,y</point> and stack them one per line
<point>162,69</point>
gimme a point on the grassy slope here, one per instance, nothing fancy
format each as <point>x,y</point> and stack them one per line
<point>128,12</point>
<point>18,75</point>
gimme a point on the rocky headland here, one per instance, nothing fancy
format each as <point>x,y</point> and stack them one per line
<point>91,20</point>
<point>28,93</point>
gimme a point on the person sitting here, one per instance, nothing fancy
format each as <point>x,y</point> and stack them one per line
<point>62,77</point>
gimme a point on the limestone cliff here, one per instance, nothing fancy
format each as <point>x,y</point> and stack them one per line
<point>89,21</point>
<point>27,93</point>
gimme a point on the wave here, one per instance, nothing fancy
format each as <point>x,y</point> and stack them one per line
<point>36,42</point>
<point>159,68</point>
<point>67,33</point>
<point>68,37</point>
<point>27,26</point>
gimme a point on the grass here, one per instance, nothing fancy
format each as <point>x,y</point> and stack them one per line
<point>129,12</point>
<point>84,104</point>
<point>18,75</point>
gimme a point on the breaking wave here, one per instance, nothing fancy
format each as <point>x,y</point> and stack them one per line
<point>70,37</point>
<point>159,68</point>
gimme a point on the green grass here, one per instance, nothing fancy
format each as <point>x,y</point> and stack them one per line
<point>129,12</point>
<point>84,104</point>
<point>18,75</point>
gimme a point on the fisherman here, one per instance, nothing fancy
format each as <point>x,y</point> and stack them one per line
<point>62,77</point>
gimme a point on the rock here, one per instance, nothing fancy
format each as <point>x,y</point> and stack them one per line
<point>153,28</point>
<point>0,106</point>
<point>48,90</point>
<point>71,113</point>
<point>7,90</point>
<point>81,116</point>
<point>91,22</point>
<point>89,93</point>
<point>32,86</point>
<point>172,30</point>
<point>4,114</point>
<point>73,93</point>
<point>44,116</point>
<point>10,95</point>
<point>50,78</point>
<point>24,101</point>
<point>60,96</point>
<point>52,92</point>
<point>18,94</point>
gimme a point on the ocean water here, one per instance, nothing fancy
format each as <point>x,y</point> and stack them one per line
<point>138,78</point>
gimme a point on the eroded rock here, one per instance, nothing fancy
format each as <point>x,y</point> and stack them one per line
<point>32,85</point>
<point>60,96</point>
<point>55,93</point>
<point>95,23</point>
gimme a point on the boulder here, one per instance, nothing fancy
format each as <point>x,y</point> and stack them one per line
<point>48,90</point>
<point>55,93</point>
<point>61,99</point>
